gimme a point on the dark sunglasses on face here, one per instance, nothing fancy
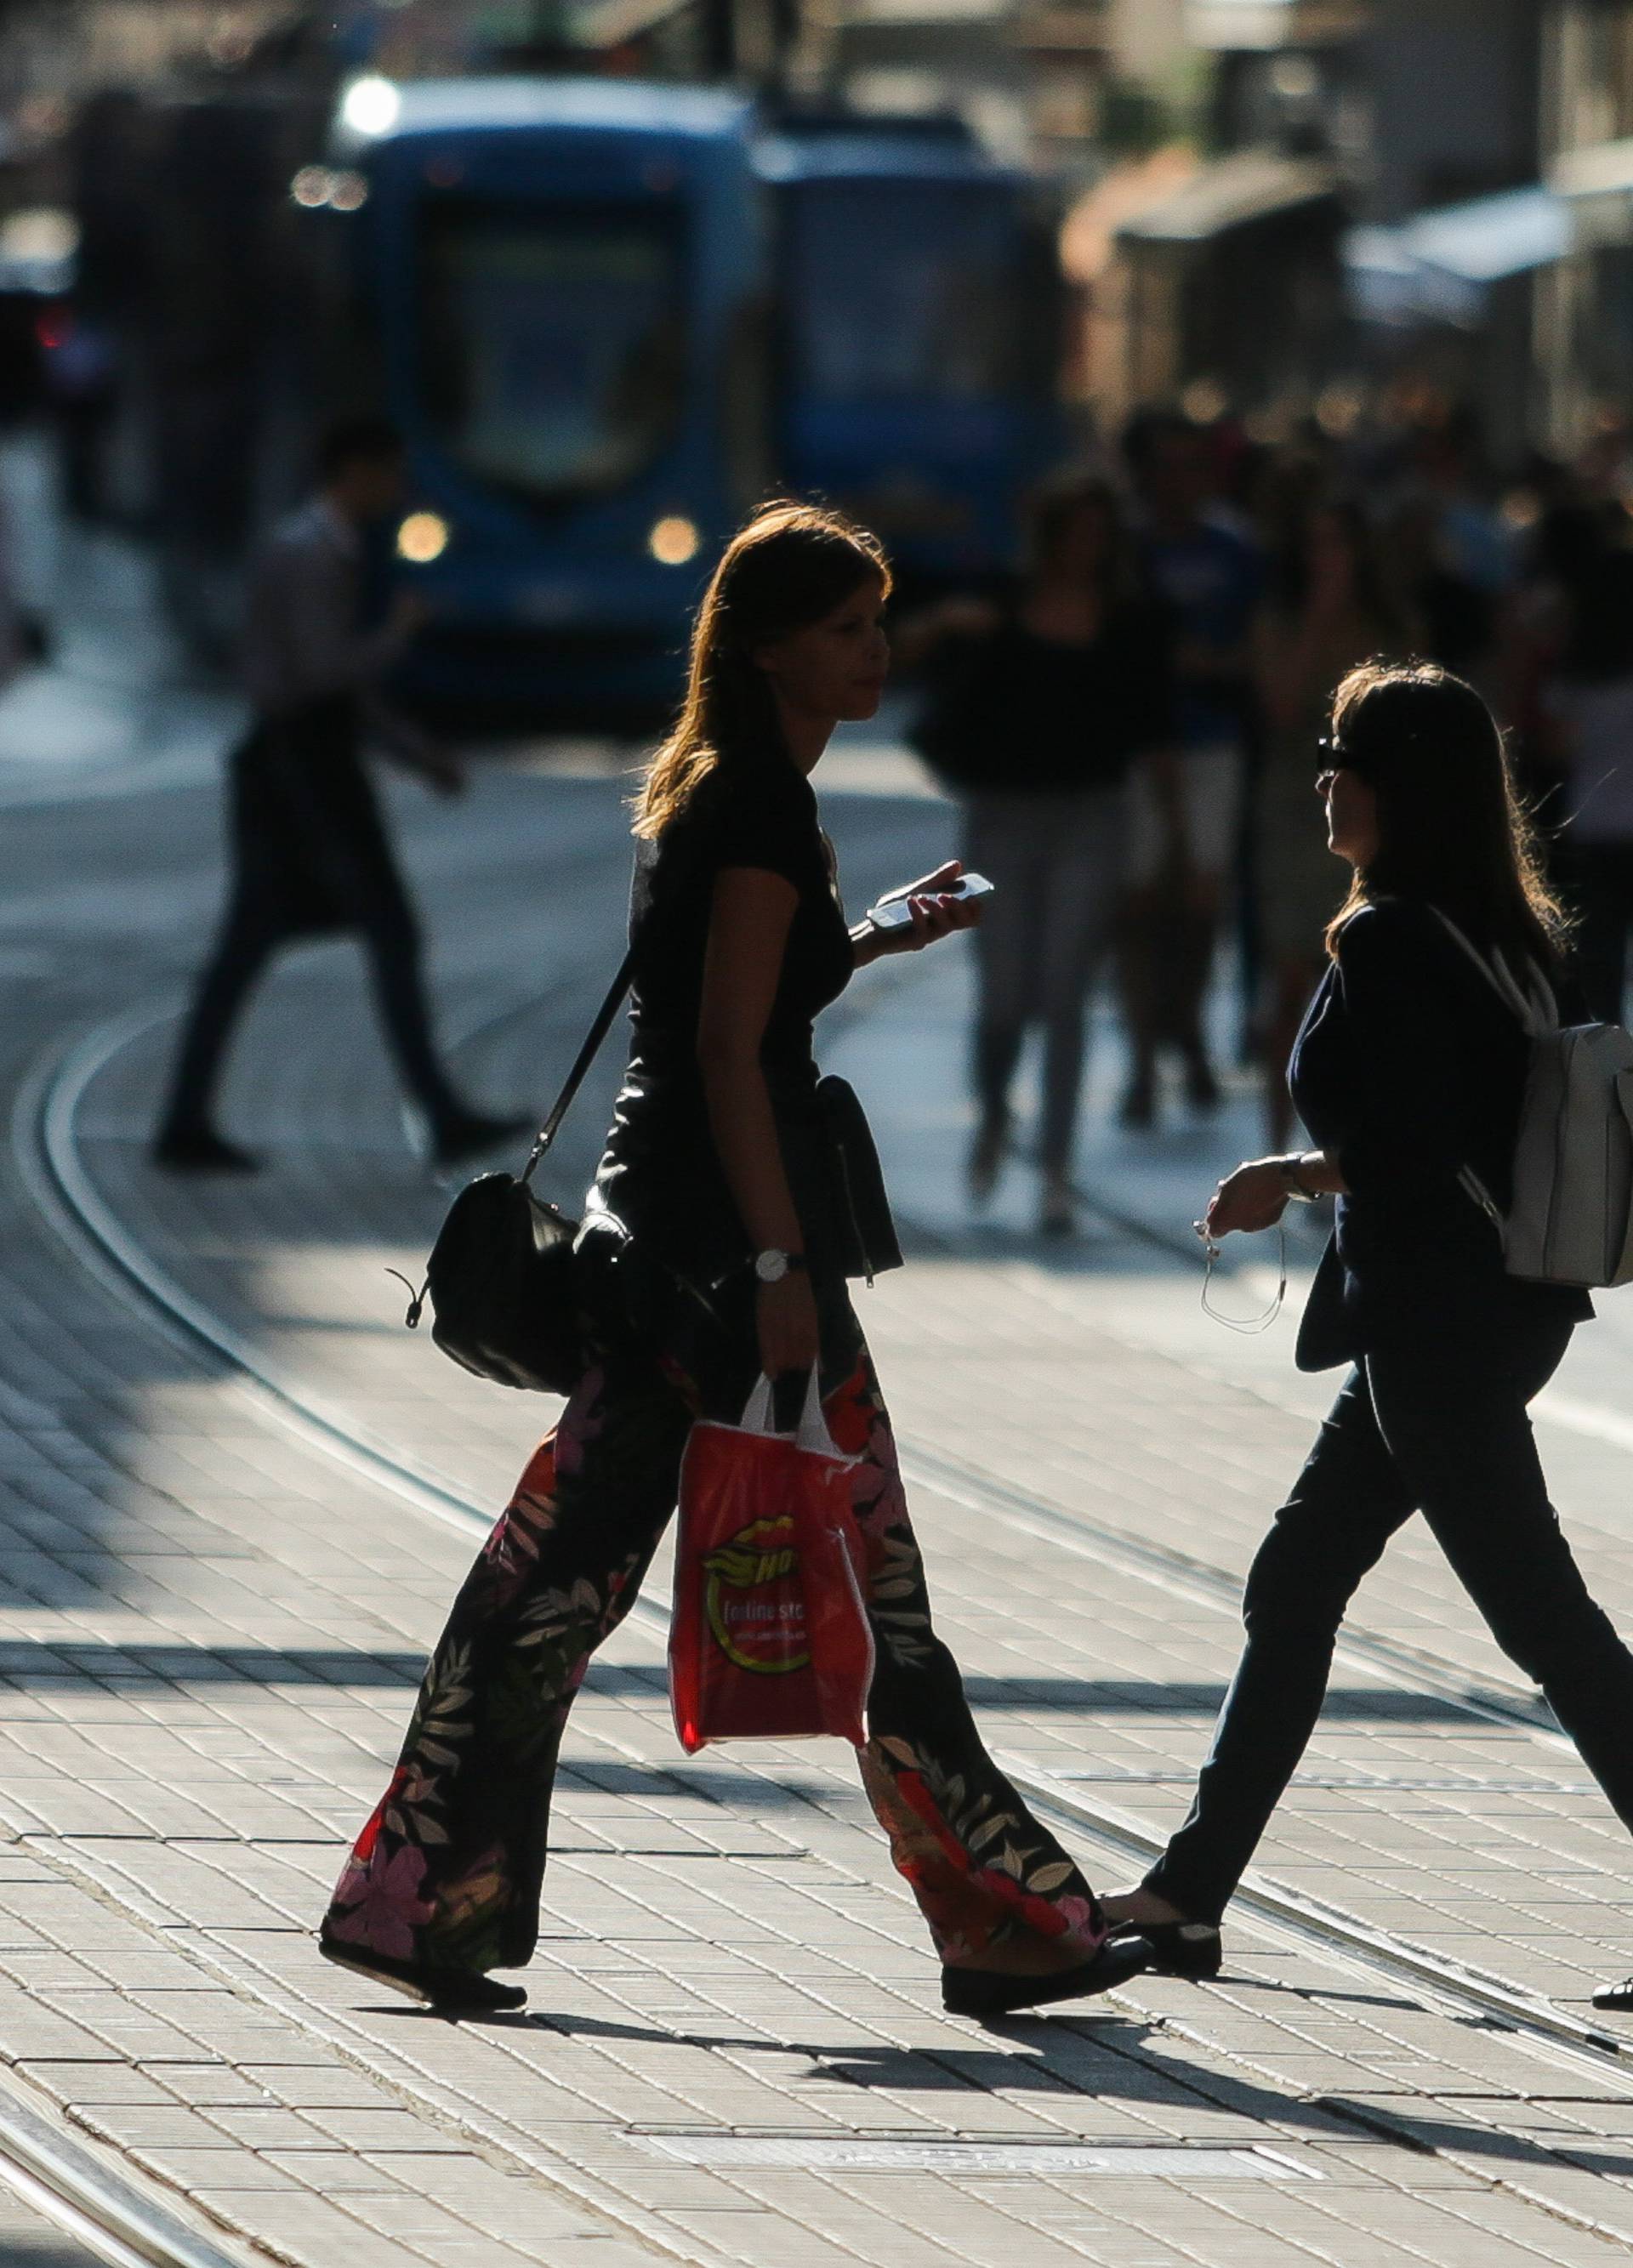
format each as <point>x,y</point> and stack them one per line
<point>1334,757</point>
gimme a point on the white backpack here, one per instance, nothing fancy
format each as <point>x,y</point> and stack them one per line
<point>1571,1219</point>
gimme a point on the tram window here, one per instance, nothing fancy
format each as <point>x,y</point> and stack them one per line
<point>908,289</point>
<point>552,341</point>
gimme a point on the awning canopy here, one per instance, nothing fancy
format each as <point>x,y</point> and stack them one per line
<point>1252,185</point>
<point>1440,266</point>
<point>1597,183</point>
<point>1228,24</point>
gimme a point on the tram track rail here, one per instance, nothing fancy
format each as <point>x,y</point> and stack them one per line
<point>99,2206</point>
<point>46,1151</point>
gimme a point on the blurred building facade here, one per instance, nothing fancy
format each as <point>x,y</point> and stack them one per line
<point>1265,198</point>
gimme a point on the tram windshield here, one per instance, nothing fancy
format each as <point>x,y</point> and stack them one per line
<point>911,290</point>
<point>552,341</point>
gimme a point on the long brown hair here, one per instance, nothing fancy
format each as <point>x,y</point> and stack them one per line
<point>791,565</point>
<point>1452,829</point>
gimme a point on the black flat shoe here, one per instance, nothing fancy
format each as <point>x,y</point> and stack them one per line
<point>1615,1996</point>
<point>451,1992</point>
<point>986,1992</point>
<point>1182,1949</point>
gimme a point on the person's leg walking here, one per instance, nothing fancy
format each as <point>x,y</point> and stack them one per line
<point>996,1890</point>
<point>246,940</point>
<point>1141,922</point>
<point>1462,1436</point>
<point>1348,1501</point>
<point>447,1872</point>
<point>999,841</point>
<point>391,940</point>
<point>1079,885</point>
<point>1212,780</point>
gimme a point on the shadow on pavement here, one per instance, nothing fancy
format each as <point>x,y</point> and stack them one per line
<point>24,1661</point>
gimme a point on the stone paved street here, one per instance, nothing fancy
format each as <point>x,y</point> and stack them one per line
<point>236,1499</point>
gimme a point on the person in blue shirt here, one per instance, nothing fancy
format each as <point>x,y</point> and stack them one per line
<point>1178,885</point>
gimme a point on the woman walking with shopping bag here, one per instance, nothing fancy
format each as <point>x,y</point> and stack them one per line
<point>1410,1072</point>
<point>741,1175</point>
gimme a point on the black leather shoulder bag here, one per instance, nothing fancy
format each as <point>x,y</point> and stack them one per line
<point>501,1278</point>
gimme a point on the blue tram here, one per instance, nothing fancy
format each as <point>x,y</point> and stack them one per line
<point>609,316</point>
<point>918,326</point>
<point>564,284</point>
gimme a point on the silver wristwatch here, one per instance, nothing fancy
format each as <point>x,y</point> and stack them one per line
<point>772,1265</point>
<point>1289,1169</point>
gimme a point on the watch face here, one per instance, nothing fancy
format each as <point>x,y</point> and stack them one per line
<point>771,1267</point>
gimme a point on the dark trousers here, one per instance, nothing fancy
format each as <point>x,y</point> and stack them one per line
<point>1056,860</point>
<point>1432,1423</point>
<point>250,935</point>
<point>1601,880</point>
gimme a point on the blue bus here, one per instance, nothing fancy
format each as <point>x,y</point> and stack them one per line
<point>565,283</point>
<point>919,329</point>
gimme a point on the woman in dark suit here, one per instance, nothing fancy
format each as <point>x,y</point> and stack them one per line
<point>1408,1070</point>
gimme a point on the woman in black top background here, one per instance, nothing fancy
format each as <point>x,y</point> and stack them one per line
<point>733,1165</point>
<point>1039,708</point>
<point>1408,1070</point>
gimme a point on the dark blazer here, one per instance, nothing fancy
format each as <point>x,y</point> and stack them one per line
<point>1409,1067</point>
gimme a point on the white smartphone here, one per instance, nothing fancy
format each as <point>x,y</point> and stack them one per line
<point>897,913</point>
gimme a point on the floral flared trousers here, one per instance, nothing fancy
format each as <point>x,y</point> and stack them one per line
<point>448,1869</point>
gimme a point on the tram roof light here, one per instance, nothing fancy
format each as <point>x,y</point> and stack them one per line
<point>371,105</point>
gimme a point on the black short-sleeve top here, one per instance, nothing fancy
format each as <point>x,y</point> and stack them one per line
<point>660,1172</point>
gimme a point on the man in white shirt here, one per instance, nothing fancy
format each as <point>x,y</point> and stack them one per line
<point>310,854</point>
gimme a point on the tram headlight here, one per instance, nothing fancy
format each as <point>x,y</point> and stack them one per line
<point>674,541</point>
<point>422,537</point>
<point>371,105</point>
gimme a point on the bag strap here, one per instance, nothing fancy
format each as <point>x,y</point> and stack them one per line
<point>587,1056</point>
<point>1534,1015</point>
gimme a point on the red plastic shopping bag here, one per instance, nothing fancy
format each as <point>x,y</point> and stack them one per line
<point>771,1638</point>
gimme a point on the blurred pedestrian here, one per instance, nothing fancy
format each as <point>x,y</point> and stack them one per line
<point>13,637</point>
<point>1178,883</point>
<point>727,1169</point>
<point>1410,1072</point>
<point>82,386</point>
<point>310,850</point>
<point>1588,712</point>
<point>1327,611</point>
<point>1040,709</point>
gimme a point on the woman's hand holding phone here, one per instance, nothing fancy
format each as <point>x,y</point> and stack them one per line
<point>923,912</point>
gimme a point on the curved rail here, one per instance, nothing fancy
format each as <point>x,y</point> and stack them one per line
<point>99,2206</point>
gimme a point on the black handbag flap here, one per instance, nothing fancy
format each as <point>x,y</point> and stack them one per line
<point>870,1236</point>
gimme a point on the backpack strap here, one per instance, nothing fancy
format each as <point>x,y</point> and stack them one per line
<point>586,1057</point>
<point>1536,1008</point>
